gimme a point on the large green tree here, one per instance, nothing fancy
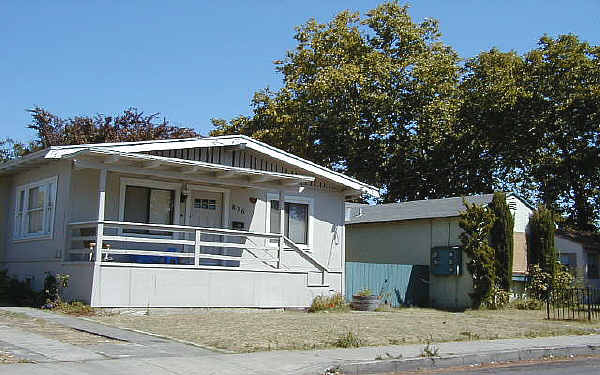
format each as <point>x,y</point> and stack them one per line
<point>531,124</point>
<point>564,79</point>
<point>372,96</point>
<point>130,126</point>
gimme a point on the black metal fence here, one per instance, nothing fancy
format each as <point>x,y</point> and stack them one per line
<point>574,304</point>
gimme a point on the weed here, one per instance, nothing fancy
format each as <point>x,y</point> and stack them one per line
<point>76,308</point>
<point>335,302</point>
<point>430,350</point>
<point>348,340</point>
<point>387,355</point>
<point>334,370</point>
<point>470,335</point>
<point>385,308</point>
<point>527,304</point>
<point>396,341</point>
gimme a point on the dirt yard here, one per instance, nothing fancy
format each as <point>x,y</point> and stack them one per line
<point>47,329</point>
<point>259,330</point>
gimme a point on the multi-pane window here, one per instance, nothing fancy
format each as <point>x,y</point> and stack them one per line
<point>35,208</point>
<point>207,204</point>
<point>295,221</point>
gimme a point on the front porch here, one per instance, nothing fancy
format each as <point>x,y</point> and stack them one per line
<point>179,246</point>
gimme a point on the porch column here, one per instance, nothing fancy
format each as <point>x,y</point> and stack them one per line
<point>281,227</point>
<point>101,204</point>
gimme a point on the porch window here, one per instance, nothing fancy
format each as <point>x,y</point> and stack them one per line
<point>296,221</point>
<point>35,209</point>
<point>148,205</point>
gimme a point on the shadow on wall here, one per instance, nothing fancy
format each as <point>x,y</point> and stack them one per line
<point>397,284</point>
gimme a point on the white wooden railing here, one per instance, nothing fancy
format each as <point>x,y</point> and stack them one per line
<point>188,245</point>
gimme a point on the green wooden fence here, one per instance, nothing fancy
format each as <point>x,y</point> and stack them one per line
<point>398,284</point>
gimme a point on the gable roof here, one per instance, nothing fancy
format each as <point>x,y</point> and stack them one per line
<point>357,213</point>
<point>135,148</point>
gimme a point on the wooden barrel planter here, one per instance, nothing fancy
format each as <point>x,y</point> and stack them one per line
<point>365,303</point>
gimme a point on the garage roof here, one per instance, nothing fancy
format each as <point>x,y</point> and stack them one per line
<point>423,209</point>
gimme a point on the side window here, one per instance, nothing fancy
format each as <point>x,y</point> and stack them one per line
<point>35,209</point>
<point>297,216</point>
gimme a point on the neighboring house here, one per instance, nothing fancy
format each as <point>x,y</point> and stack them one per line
<point>421,233</point>
<point>218,221</point>
<point>580,252</point>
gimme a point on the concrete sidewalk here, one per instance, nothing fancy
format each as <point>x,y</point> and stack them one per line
<point>193,360</point>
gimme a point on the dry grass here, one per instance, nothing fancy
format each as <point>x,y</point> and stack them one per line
<point>7,358</point>
<point>253,330</point>
<point>50,330</point>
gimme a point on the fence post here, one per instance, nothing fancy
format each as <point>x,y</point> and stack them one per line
<point>280,251</point>
<point>588,300</point>
<point>197,248</point>
<point>548,297</point>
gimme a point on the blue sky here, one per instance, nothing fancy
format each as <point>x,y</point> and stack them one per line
<point>194,60</point>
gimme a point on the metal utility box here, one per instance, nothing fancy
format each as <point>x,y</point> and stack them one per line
<point>446,260</point>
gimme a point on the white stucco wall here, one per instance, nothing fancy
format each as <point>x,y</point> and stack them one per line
<point>521,214</point>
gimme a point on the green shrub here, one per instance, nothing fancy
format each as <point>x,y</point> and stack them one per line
<point>4,283</point>
<point>498,299</point>
<point>527,304</point>
<point>18,292</point>
<point>76,308</point>
<point>348,340</point>
<point>540,281</point>
<point>335,302</point>
<point>366,292</point>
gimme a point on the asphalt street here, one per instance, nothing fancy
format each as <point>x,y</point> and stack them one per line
<point>576,366</point>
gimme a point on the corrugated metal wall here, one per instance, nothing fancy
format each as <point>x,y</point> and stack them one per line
<point>398,284</point>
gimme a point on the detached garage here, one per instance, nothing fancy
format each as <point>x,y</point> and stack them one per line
<point>410,252</point>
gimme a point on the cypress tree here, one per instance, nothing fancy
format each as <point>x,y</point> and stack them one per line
<point>476,222</point>
<point>541,240</point>
<point>501,240</point>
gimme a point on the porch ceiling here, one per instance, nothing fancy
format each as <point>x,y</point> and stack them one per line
<point>180,168</point>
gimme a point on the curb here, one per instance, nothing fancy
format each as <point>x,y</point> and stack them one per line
<point>395,365</point>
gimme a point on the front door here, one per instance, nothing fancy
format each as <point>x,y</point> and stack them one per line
<point>207,212</point>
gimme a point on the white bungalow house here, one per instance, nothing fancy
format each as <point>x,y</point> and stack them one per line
<point>216,222</point>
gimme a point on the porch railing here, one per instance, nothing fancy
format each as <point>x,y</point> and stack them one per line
<point>183,246</point>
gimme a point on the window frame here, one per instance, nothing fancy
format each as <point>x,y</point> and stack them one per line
<point>292,199</point>
<point>152,184</point>
<point>48,211</point>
